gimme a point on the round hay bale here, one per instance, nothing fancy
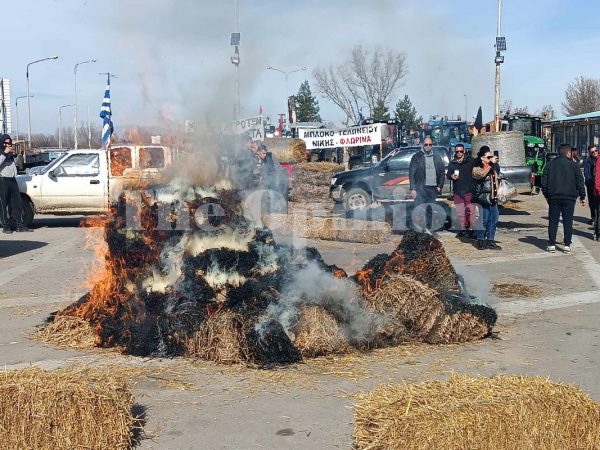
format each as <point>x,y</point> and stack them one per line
<point>65,409</point>
<point>509,145</point>
<point>299,150</point>
<point>219,338</point>
<point>318,333</point>
<point>424,313</point>
<point>408,301</point>
<point>500,412</point>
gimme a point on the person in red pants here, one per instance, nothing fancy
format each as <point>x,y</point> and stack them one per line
<point>460,171</point>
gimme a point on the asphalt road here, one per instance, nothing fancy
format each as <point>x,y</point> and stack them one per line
<point>198,406</point>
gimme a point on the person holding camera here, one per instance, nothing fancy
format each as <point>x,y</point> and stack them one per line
<point>486,176</point>
<point>9,189</point>
<point>460,171</point>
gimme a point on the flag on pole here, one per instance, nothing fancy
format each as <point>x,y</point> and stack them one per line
<point>106,115</point>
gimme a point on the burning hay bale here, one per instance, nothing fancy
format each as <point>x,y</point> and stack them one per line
<point>419,255</point>
<point>499,412</point>
<point>332,228</point>
<point>64,409</point>
<point>429,316</point>
<point>312,180</point>
<point>201,281</point>
<point>318,333</point>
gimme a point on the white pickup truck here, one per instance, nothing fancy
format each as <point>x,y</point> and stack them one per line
<point>87,181</point>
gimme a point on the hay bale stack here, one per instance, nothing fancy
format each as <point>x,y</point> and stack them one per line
<point>331,228</point>
<point>219,338</point>
<point>64,409</point>
<point>312,180</point>
<point>425,314</point>
<point>287,150</point>
<point>318,333</point>
<point>500,412</point>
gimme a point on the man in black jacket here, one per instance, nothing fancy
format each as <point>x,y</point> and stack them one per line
<point>460,171</point>
<point>562,183</point>
<point>426,176</point>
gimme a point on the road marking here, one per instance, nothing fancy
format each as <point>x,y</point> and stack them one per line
<point>501,259</point>
<point>589,263</point>
<point>10,274</point>
<point>519,307</point>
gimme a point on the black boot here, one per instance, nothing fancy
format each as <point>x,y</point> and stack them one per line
<point>492,245</point>
<point>481,245</point>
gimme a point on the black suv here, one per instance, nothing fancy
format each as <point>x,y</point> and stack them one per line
<point>385,182</point>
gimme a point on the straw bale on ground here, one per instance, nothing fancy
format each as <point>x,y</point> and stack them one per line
<point>423,312</point>
<point>331,228</point>
<point>64,409</point>
<point>287,150</point>
<point>312,181</point>
<point>219,338</point>
<point>500,412</point>
<point>318,333</point>
<point>67,331</point>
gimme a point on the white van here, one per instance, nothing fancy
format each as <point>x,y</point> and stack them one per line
<point>88,181</point>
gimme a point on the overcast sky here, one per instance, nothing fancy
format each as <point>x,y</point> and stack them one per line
<point>172,57</point>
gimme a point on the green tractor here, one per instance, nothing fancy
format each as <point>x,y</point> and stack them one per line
<point>535,146</point>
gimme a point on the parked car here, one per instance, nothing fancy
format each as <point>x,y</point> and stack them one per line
<point>384,182</point>
<point>88,181</point>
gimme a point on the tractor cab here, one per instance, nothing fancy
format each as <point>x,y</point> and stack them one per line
<point>448,133</point>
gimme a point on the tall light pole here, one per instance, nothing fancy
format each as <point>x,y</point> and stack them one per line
<point>466,109</point>
<point>235,60</point>
<point>17,112</point>
<point>75,103</point>
<point>60,108</point>
<point>500,46</point>
<point>29,97</point>
<point>286,73</point>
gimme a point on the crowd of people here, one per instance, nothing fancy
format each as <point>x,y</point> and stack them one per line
<point>476,184</point>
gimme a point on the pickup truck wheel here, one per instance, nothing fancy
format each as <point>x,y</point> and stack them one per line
<point>27,211</point>
<point>356,198</point>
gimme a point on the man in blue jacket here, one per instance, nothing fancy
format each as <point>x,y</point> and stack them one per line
<point>562,183</point>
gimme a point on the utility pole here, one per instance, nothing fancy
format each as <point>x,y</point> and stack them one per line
<point>500,46</point>
<point>89,130</point>
<point>75,103</point>
<point>60,108</point>
<point>235,60</point>
<point>466,109</point>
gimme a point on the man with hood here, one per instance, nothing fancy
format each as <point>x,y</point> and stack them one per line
<point>9,189</point>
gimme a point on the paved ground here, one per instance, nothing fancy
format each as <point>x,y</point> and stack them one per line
<point>197,406</point>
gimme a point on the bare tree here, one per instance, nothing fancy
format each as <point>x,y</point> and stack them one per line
<point>368,78</point>
<point>582,96</point>
<point>547,112</point>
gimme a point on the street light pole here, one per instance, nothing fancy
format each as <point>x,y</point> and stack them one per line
<point>498,60</point>
<point>466,108</point>
<point>75,103</point>
<point>29,96</point>
<point>60,125</point>
<point>286,74</point>
<point>17,112</point>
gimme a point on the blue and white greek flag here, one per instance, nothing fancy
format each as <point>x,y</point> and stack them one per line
<point>106,115</point>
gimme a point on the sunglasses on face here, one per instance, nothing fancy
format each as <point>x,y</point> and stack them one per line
<point>8,144</point>
<point>427,145</point>
<point>459,151</point>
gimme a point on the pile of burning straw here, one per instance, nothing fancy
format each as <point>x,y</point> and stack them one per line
<point>186,273</point>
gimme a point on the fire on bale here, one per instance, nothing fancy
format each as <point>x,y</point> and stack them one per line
<point>185,273</point>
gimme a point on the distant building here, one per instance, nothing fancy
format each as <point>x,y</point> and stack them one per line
<point>578,131</point>
<point>5,116</point>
